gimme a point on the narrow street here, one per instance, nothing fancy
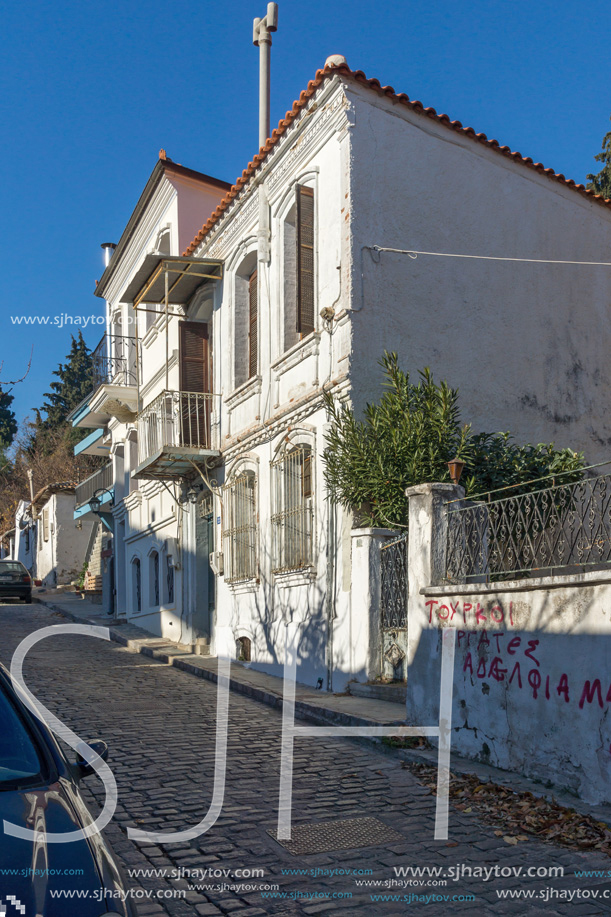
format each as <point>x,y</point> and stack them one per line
<point>160,725</point>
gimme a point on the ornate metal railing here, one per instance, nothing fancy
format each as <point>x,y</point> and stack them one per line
<point>99,480</point>
<point>176,420</point>
<point>116,359</point>
<point>559,529</point>
<point>393,574</point>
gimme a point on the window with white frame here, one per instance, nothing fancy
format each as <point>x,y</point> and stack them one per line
<point>292,509</point>
<point>240,527</point>
<point>298,258</point>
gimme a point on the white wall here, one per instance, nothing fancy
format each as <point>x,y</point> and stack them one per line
<point>532,677</point>
<point>526,344</point>
<point>60,558</point>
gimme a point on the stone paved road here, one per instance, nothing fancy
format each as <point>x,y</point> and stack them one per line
<point>160,725</point>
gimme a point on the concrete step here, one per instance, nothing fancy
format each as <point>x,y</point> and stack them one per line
<point>393,693</point>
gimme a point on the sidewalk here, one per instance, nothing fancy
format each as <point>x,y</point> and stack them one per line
<point>318,707</point>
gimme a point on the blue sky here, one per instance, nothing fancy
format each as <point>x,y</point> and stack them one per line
<point>91,92</point>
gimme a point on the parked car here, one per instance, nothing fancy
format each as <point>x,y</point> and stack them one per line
<point>39,790</point>
<point>15,580</point>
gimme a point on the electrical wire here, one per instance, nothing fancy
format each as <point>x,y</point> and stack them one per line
<point>414,254</point>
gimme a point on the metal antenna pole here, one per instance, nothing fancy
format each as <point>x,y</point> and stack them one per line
<point>262,29</point>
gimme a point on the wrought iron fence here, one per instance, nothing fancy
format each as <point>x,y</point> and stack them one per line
<point>559,529</point>
<point>393,573</point>
<point>175,420</point>
<point>99,480</point>
<point>116,359</point>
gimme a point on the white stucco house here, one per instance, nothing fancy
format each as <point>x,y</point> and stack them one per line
<point>138,359</point>
<point>337,242</point>
<point>46,539</point>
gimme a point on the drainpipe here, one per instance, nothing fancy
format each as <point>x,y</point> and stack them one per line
<point>330,590</point>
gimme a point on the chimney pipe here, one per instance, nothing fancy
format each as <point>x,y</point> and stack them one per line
<point>262,29</point>
<point>109,248</point>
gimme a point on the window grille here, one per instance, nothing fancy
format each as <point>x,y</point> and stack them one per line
<point>292,515</point>
<point>45,524</point>
<point>240,528</point>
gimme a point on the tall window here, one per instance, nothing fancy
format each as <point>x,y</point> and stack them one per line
<point>240,529</point>
<point>137,584</point>
<point>292,516</point>
<point>169,575</point>
<point>155,578</point>
<point>246,321</point>
<point>299,268</point>
<point>45,524</point>
<point>253,324</point>
<point>305,260</point>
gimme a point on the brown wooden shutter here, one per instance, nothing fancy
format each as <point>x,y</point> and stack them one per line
<point>305,260</point>
<point>194,357</point>
<point>253,324</point>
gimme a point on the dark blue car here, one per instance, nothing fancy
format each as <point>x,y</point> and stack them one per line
<point>39,791</point>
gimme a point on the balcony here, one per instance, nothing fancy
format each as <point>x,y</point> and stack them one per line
<point>116,366</point>
<point>115,361</point>
<point>101,480</point>
<point>174,431</point>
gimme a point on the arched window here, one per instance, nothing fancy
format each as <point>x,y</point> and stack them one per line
<point>240,527</point>
<point>292,509</point>
<point>137,584</point>
<point>246,321</point>
<point>243,649</point>
<point>154,578</point>
<point>298,244</point>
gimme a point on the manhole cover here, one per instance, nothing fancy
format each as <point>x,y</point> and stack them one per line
<point>339,835</point>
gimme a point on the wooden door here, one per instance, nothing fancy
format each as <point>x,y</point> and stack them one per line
<point>194,384</point>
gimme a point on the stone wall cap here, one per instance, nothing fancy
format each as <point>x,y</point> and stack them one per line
<point>425,490</point>
<point>375,532</point>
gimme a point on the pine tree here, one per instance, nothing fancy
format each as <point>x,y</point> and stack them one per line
<point>8,423</point>
<point>601,182</point>
<point>75,383</point>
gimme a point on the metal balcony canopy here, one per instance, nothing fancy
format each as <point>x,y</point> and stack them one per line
<point>184,276</point>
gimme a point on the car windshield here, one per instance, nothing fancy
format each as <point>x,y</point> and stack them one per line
<point>11,566</point>
<point>19,758</point>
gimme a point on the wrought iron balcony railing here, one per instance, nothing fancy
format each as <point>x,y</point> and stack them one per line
<point>116,360</point>
<point>99,480</point>
<point>561,529</point>
<point>175,421</point>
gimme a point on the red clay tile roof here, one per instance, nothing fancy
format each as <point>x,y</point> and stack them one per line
<point>416,106</point>
<point>60,487</point>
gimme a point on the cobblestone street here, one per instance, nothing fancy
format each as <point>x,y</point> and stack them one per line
<point>160,725</point>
